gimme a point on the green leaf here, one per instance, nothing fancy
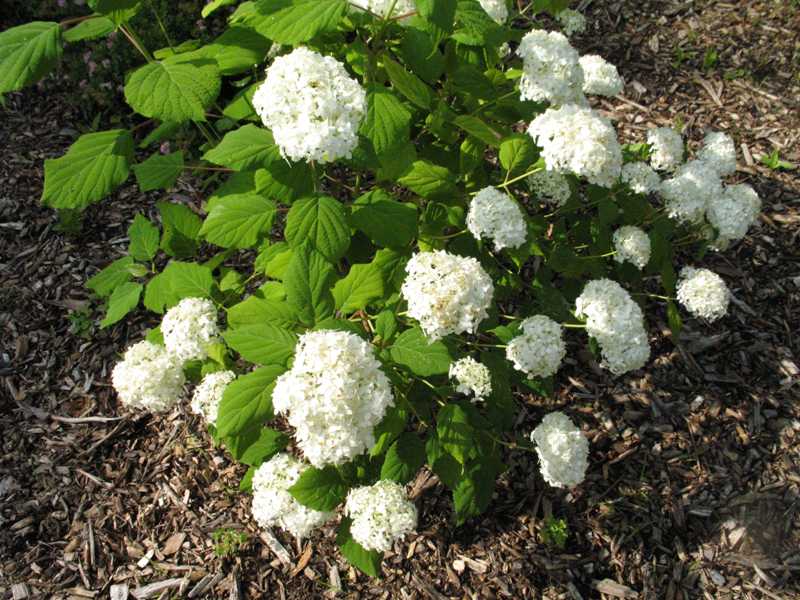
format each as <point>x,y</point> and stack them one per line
<point>268,443</point>
<point>189,280</point>
<point>239,221</point>
<point>408,84</point>
<point>456,435</point>
<point>475,27</point>
<point>308,281</point>
<point>387,222</point>
<point>263,344</point>
<point>363,285</point>
<point>479,129</point>
<point>429,180</point>
<point>246,148</point>
<point>89,29</point>
<point>181,229</point>
<point>237,50</point>
<point>247,401</point>
<point>124,299</point>
<point>284,181</point>
<point>159,172</point>
<point>674,320</point>
<point>93,167</point>
<point>241,107</point>
<point>391,426</point>
<point>320,222</point>
<point>214,5</point>
<point>117,273</point>
<point>320,489</point>
<point>385,326</point>
<point>174,90</point>
<point>387,122</point>
<point>303,21</point>
<point>413,350</point>
<point>439,12</point>
<point>28,53</point>
<point>422,54</point>
<point>255,310</point>
<point>404,458</point>
<point>274,260</point>
<point>474,492</point>
<point>158,295</point>
<point>160,133</point>
<point>246,484</point>
<point>119,11</point>
<point>367,561</point>
<point>144,238</point>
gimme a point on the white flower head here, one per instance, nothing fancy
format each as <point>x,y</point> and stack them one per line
<point>208,394</point>
<point>446,293</point>
<point>148,377</point>
<point>719,153</point>
<point>632,244</point>
<point>273,505</point>
<point>641,178</point>
<point>572,22</point>
<point>688,194</point>
<point>563,451</point>
<point>382,7</point>
<point>189,327</point>
<point>616,322</point>
<point>473,378</point>
<point>600,77</point>
<point>550,187</point>
<point>312,105</point>
<point>496,9</point>
<point>495,215</point>
<point>666,148</point>
<point>575,139</point>
<point>733,212</point>
<point>334,395</point>
<point>381,514</point>
<point>703,293</point>
<point>551,69</point>
<point>539,348</point>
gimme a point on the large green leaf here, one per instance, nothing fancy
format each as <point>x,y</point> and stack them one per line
<point>285,181</point>
<point>255,311</point>
<point>144,239</point>
<point>429,180</point>
<point>237,50</point>
<point>455,433</point>
<point>28,53</point>
<point>320,222</point>
<point>473,494</point>
<point>368,561</point>
<point>475,27</point>
<point>263,344</point>
<point>479,129</point>
<point>408,84</point>
<point>247,401</point>
<point>117,273</point>
<point>387,122</point>
<point>181,229</point>
<point>320,489</point>
<point>363,285</point>
<point>214,5</point>
<point>174,90</point>
<point>261,447</point>
<point>93,167</point>
<point>159,172</point>
<point>89,29</point>
<point>158,294</point>
<point>404,458</point>
<point>239,221</point>
<point>517,154</point>
<point>386,221</point>
<point>124,299</point>
<point>246,148</point>
<point>413,350</point>
<point>439,12</point>
<point>188,280</point>
<point>119,11</point>
<point>302,21</point>
<point>308,281</point>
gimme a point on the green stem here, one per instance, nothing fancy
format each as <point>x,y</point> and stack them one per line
<point>137,43</point>
<point>505,184</point>
<point>447,237</point>
<point>645,294</point>
<point>574,325</point>
<point>607,254</point>
<point>161,26</point>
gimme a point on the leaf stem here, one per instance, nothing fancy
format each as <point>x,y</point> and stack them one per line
<point>505,184</point>
<point>75,20</point>
<point>574,325</point>
<point>134,39</point>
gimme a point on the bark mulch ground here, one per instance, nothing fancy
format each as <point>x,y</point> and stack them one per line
<point>695,462</point>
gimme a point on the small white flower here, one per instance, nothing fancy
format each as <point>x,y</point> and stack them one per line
<point>148,377</point>
<point>688,194</point>
<point>550,187</point>
<point>633,245</point>
<point>473,378</point>
<point>273,505</point>
<point>382,7</point>
<point>600,77</point>
<point>494,215</point>
<point>733,213</point>
<point>551,70</point>
<point>641,178</point>
<point>666,148</point>
<point>496,9</point>
<point>572,22</point>
<point>719,153</point>
<point>539,349</point>
<point>446,293</point>
<point>703,293</point>
<point>189,328</point>
<point>208,394</point>
<point>381,514</point>
<point>563,451</point>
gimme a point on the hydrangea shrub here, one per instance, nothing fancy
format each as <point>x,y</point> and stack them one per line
<point>412,208</point>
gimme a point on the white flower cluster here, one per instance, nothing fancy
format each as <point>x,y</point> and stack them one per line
<point>666,148</point>
<point>563,450</point>
<point>539,349</point>
<point>496,9</point>
<point>641,178</point>
<point>495,215</point>
<point>600,77</point>
<point>382,7</point>
<point>733,213</point>
<point>473,378</point>
<point>632,244</point>
<point>446,293</point>
<point>311,104</point>
<point>189,327</point>
<point>690,191</point>
<point>208,394</point>
<point>334,394</point>
<point>616,322</point>
<point>148,377</point>
<point>575,139</point>
<point>381,514</point>
<point>703,293</point>
<point>551,187</point>
<point>719,153</point>
<point>572,21</point>
<point>551,69</point>
<point>274,505</point>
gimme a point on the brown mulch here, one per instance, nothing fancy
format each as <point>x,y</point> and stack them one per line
<point>693,486</point>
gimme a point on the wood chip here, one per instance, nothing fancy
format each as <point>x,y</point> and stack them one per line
<point>612,588</point>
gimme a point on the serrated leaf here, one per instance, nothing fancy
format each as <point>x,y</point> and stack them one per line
<point>266,443</point>
<point>363,285</point>
<point>408,84</point>
<point>404,458</point>
<point>241,107</point>
<point>247,401</point>
<point>159,172</point>
<point>421,53</point>
<point>284,181</point>
<point>439,12</point>
<point>385,326</point>
<point>387,222</point>
<point>367,561</point>
<point>189,280</point>
<point>474,26</point>
<point>28,53</point>
<point>517,154</point>
<point>263,344</point>
<point>391,426</point>
<point>248,147</point>
<point>308,281</point>
<point>239,221</point>
<point>237,50</point>
<point>429,180</point>
<point>117,273</point>
<point>302,21</point>
<point>181,229</point>
<point>158,294</point>
<point>89,29</point>
<point>479,129</point>
<point>119,11</point>
<point>413,350</point>
<point>320,489</point>
<point>93,167</point>
<point>124,299</point>
<point>455,433</point>
<point>215,5</point>
<point>473,494</point>
<point>320,222</point>
<point>255,310</point>
<point>387,121</point>
<point>174,90</point>
<point>144,238</point>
